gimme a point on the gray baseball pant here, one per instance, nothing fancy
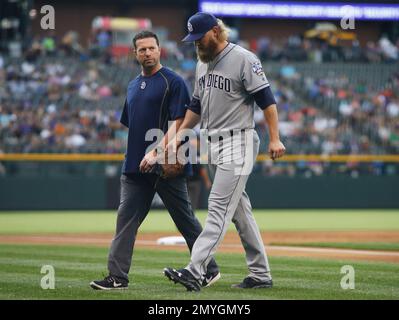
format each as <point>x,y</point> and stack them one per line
<point>137,192</point>
<point>233,161</point>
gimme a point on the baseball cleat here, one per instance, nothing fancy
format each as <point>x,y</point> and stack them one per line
<point>210,279</point>
<point>109,283</point>
<point>184,277</point>
<point>251,283</point>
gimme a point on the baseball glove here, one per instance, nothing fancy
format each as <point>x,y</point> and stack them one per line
<point>176,168</point>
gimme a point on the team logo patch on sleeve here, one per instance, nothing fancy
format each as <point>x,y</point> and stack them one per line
<point>257,68</point>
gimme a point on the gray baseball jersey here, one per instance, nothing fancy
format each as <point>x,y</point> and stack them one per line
<point>225,86</point>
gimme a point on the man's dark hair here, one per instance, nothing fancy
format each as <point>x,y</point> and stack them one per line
<point>143,35</point>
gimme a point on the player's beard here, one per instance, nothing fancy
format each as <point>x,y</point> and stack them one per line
<point>206,54</point>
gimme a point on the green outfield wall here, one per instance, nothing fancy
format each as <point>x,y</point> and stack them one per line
<point>53,193</point>
<point>43,193</point>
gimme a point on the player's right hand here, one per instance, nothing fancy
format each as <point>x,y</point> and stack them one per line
<point>276,149</point>
<point>172,146</point>
<point>148,161</point>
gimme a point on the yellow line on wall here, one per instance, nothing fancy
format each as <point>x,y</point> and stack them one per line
<point>86,157</point>
<point>65,157</point>
<point>333,158</point>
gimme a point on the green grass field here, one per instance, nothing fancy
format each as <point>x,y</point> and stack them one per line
<point>75,267</point>
<point>381,246</point>
<point>294,278</point>
<point>157,221</point>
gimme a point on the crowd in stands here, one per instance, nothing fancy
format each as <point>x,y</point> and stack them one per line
<point>372,112</point>
<point>60,98</point>
<point>371,127</point>
<point>299,48</point>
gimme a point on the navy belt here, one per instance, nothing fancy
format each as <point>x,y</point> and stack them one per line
<point>230,134</point>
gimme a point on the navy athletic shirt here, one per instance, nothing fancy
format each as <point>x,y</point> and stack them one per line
<point>141,111</point>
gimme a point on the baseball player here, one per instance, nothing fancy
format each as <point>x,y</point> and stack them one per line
<point>229,81</point>
<point>154,97</point>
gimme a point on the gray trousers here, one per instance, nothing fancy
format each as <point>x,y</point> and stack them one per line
<point>137,193</point>
<point>194,191</point>
<point>232,161</point>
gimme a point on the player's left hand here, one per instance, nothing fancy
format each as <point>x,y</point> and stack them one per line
<point>148,161</point>
<point>276,149</point>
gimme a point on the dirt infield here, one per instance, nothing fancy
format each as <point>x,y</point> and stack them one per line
<point>231,243</point>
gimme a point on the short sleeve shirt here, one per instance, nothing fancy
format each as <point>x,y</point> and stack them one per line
<point>142,111</point>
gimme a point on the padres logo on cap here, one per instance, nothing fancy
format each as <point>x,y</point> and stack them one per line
<point>189,27</point>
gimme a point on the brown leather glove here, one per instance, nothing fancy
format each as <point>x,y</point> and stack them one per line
<point>171,170</point>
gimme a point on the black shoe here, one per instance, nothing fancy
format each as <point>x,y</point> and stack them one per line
<point>251,283</point>
<point>184,277</point>
<point>210,279</point>
<point>109,283</point>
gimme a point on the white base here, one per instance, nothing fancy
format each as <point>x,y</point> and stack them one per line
<point>171,241</point>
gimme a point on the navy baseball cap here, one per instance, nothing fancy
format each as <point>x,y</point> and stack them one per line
<point>198,25</point>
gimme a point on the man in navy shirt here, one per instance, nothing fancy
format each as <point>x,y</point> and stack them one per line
<point>156,96</point>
